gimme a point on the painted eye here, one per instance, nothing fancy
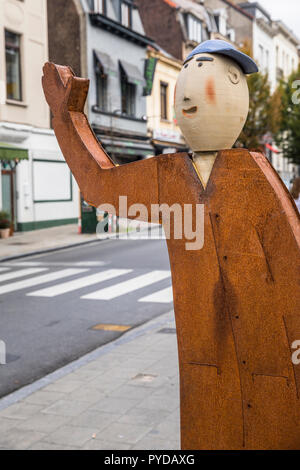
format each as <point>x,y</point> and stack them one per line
<point>200,64</point>
<point>234,75</point>
<point>186,66</point>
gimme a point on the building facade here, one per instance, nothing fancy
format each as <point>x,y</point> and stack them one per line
<point>276,49</point>
<point>177,26</point>
<point>36,186</point>
<point>111,50</point>
<point>233,23</point>
<point>165,134</point>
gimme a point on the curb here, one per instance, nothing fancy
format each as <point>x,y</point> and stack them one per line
<point>51,250</point>
<point>111,236</point>
<point>126,337</point>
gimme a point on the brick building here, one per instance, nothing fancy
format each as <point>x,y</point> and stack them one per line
<point>177,25</point>
<point>36,186</point>
<point>105,41</point>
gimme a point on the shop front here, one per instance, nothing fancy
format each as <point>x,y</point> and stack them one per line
<point>168,141</point>
<point>9,159</point>
<point>126,149</point>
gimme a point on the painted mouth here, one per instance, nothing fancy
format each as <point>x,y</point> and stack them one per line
<point>190,111</point>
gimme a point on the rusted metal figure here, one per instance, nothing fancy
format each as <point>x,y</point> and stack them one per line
<point>236,300</point>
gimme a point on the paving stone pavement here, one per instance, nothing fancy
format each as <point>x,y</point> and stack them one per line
<point>124,397</point>
<point>23,243</point>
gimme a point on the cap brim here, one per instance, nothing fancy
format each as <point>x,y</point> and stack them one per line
<point>245,62</point>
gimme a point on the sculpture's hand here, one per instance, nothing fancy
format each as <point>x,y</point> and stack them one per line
<point>97,176</point>
<point>63,91</point>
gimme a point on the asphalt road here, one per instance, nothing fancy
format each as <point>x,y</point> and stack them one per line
<point>49,304</point>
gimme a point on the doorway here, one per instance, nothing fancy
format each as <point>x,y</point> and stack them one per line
<point>8,195</point>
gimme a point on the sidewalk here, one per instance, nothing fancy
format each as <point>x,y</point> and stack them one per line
<point>23,243</point>
<point>65,236</point>
<point>124,395</point>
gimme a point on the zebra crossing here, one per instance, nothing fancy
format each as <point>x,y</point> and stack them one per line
<point>79,283</point>
<point>65,278</point>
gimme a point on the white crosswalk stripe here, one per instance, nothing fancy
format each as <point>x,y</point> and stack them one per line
<point>34,281</point>
<point>127,287</point>
<point>24,264</point>
<point>116,290</point>
<point>20,273</point>
<point>83,264</point>
<point>70,286</point>
<point>163,296</point>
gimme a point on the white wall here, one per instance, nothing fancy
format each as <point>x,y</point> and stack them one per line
<point>264,53</point>
<point>29,19</point>
<point>286,54</point>
<point>42,180</point>
<point>45,181</point>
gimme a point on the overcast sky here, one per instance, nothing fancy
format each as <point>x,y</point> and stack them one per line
<point>286,10</point>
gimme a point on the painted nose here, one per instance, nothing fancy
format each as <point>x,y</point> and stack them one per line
<point>186,98</point>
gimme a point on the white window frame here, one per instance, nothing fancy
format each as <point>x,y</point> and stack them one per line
<point>125,14</point>
<point>267,60</point>
<point>194,29</point>
<point>98,6</point>
<point>231,34</point>
<point>261,56</point>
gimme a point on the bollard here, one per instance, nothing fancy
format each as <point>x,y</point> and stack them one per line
<point>2,353</point>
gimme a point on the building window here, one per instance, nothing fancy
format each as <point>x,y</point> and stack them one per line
<point>98,6</point>
<point>231,35</point>
<point>164,100</point>
<point>101,83</point>
<point>267,61</point>
<point>221,21</point>
<point>194,29</point>
<point>126,14</point>
<point>261,56</point>
<point>13,66</point>
<point>293,64</point>
<point>277,56</point>
<point>128,92</point>
<point>217,21</point>
<point>287,66</point>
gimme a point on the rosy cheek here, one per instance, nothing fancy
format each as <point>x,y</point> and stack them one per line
<point>210,91</point>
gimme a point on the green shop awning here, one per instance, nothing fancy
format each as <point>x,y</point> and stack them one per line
<point>8,153</point>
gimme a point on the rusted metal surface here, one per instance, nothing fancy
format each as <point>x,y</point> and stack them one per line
<point>236,300</point>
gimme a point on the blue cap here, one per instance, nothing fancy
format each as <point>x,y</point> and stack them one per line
<point>217,46</point>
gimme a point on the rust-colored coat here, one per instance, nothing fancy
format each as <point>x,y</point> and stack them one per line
<point>236,301</point>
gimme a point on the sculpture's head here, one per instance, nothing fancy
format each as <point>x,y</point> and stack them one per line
<point>212,97</point>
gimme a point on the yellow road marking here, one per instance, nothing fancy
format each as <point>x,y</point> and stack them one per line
<point>111,327</point>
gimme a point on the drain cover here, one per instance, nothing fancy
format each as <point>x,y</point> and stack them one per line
<point>53,323</point>
<point>144,377</point>
<point>168,331</point>
<point>18,243</point>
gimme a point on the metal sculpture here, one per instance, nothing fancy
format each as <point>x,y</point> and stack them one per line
<point>237,299</point>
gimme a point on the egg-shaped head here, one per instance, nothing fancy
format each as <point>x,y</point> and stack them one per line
<point>212,96</point>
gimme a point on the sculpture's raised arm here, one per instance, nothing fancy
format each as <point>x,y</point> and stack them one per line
<point>99,179</point>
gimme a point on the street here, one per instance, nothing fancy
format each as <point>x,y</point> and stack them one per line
<point>54,307</point>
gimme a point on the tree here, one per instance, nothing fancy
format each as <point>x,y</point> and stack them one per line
<point>260,120</point>
<point>288,133</point>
